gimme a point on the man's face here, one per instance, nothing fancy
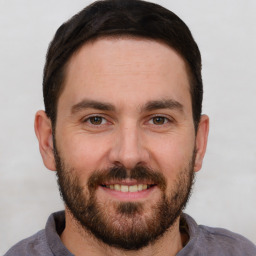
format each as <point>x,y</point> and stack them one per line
<point>124,139</point>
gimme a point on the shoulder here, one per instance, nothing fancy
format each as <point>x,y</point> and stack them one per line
<point>34,245</point>
<point>226,240</point>
<point>206,240</point>
<point>45,242</point>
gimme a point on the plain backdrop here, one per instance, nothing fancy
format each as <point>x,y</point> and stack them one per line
<point>225,190</point>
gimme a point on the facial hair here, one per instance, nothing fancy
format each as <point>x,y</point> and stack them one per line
<point>133,225</point>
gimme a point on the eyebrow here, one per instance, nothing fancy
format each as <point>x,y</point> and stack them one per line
<point>84,104</point>
<point>150,106</point>
<point>163,104</point>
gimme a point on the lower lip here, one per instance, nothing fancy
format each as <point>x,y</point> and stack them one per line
<point>128,196</point>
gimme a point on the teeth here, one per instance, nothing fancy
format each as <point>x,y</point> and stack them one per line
<point>140,187</point>
<point>117,187</point>
<point>133,188</point>
<point>125,188</point>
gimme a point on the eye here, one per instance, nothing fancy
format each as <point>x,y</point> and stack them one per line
<point>159,120</point>
<point>96,120</point>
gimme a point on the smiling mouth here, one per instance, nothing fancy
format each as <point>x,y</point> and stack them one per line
<point>128,188</point>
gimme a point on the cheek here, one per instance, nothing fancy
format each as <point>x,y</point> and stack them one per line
<point>82,152</point>
<point>173,154</point>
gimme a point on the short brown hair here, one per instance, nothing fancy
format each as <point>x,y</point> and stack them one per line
<point>114,18</point>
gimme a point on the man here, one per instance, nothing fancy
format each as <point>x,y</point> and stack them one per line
<point>123,129</point>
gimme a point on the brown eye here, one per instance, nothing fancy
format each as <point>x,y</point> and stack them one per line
<point>159,120</point>
<point>96,120</point>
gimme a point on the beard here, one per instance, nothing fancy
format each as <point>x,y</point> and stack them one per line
<point>124,225</point>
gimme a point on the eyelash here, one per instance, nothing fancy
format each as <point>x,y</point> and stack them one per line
<point>104,121</point>
<point>163,118</point>
<point>89,120</point>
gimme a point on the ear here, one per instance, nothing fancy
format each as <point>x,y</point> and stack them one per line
<point>201,141</point>
<point>43,130</point>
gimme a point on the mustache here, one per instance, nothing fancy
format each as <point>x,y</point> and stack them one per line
<point>140,173</point>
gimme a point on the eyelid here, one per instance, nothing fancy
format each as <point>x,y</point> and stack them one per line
<point>87,119</point>
<point>166,120</point>
<point>107,120</point>
<point>167,117</point>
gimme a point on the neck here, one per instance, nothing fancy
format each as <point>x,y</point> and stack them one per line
<point>80,242</point>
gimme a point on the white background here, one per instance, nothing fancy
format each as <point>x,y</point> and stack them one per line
<point>225,190</point>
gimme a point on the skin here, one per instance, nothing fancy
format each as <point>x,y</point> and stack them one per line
<point>129,74</point>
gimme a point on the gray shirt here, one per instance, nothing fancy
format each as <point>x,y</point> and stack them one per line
<point>203,241</point>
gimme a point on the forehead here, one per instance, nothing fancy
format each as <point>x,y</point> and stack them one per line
<point>114,69</point>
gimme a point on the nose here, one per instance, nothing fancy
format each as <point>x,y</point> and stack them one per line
<point>128,148</point>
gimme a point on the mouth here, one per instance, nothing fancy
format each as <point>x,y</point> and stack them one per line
<point>128,188</point>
